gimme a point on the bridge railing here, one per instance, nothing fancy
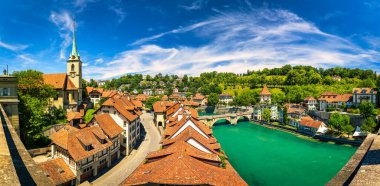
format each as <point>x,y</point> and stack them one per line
<point>16,165</point>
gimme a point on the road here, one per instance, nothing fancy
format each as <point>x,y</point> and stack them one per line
<point>126,166</point>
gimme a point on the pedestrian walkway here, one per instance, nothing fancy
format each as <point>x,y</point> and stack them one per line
<point>128,164</point>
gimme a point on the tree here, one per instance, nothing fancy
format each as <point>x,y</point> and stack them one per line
<point>266,114</point>
<point>340,123</point>
<point>369,125</point>
<point>150,101</point>
<point>366,109</point>
<point>213,99</point>
<point>285,115</point>
<point>343,106</point>
<point>34,97</point>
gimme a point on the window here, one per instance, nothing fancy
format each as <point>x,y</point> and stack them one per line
<point>5,91</point>
<point>125,123</point>
<point>106,111</point>
<point>102,161</point>
<point>87,169</point>
<point>72,67</point>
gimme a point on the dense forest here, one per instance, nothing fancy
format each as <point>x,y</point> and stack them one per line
<point>287,84</point>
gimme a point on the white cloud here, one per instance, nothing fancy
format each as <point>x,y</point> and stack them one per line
<point>13,47</point>
<point>240,41</point>
<point>196,5</point>
<point>64,22</point>
<point>118,9</point>
<point>26,59</point>
<point>99,60</point>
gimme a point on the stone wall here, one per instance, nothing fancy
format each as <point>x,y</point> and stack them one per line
<point>17,167</point>
<point>53,129</point>
<point>355,120</point>
<point>347,173</point>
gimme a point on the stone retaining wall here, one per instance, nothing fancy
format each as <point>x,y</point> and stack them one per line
<point>347,173</point>
<point>355,120</point>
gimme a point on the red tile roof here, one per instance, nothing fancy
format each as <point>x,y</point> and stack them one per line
<point>331,97</point>
<point>108,125</point>
<point>363,91</point>
<point>57,171</point>
<point>198,97</point>
<point>74,115</point>
<point>183,164</point>
<point>109,93</point>
<point>265,91</point>
<point>91,89</point>
<point>310,122</point>
<point>310,98</point>
<point>56,80</point>
<point>74,141</point>
<point>59,81</point>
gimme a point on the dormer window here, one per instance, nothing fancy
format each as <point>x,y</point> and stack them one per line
<point>103,141</point>
<point>363,91</point>
<point>88,147</point>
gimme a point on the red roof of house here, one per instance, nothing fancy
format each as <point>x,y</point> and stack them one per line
<point>108,125</point>
<point>310,98</point>
<point>74,115</point>
<point>59,81</point>
<point>363,91</point>
<point>333,97</point>
<point>91,89</point>
<point>198,97</point>
<point>57,171</point>
<point>75,140</point>
<point>265,91</point>
<point>310,122</point>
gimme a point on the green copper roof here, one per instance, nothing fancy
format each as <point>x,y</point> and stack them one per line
<point>74,51</point>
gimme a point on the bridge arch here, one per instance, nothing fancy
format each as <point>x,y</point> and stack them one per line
<point>221,121</point>
<point>243,118</point>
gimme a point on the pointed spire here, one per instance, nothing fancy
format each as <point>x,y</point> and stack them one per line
<point>74,52</point>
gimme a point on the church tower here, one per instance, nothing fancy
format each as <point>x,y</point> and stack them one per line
<point>74,67</point>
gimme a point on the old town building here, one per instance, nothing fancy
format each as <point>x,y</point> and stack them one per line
<point>364,94</point>
<point>265,95</point>
<point>334,100</point>
<point>87,151</point>
<point>126,113</point>
<point>94,94</point>
<point>9,99</point>
<point>190,155</point>
<point>68,85</point>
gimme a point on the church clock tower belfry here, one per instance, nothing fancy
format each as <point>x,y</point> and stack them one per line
<point>74,67</point>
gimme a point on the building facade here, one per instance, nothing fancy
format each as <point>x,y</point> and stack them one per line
<point>127,116</point>
<point>265,95</point>
<point>9,99</point>
<point>364,94</point>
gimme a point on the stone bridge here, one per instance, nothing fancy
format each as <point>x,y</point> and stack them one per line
<point>16,165</point>
<point>230,117</point>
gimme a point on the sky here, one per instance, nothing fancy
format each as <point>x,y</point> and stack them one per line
<point>116,37</point>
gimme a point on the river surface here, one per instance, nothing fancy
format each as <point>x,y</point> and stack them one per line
<point>264,156</point>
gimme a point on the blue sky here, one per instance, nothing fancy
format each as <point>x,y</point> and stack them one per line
<point>116,37</point>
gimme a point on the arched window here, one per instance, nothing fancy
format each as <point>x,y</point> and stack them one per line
<point>72,67</point>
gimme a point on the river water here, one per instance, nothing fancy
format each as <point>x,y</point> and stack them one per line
<point>264,156</point>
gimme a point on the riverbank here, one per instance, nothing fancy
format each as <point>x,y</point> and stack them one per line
<point>322,138</point>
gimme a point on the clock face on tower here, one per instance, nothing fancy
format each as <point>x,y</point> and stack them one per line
<point>72,75</point>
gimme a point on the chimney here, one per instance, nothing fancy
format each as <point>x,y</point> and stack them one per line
<point>180,117</point>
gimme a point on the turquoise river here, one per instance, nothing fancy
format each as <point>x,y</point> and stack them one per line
<point>264,156</point>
